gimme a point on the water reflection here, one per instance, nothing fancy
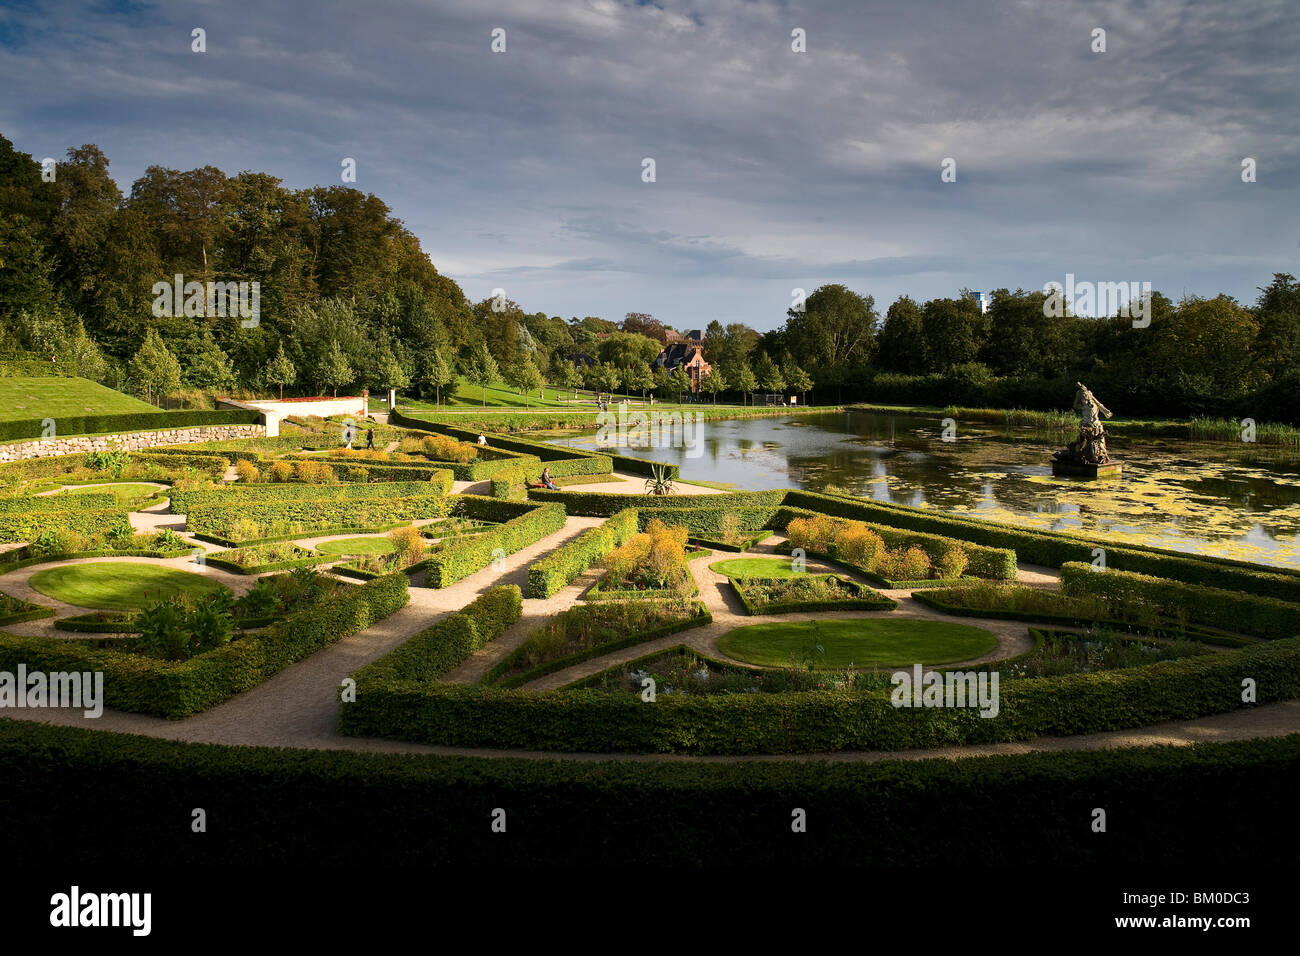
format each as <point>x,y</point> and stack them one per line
<point>1200,498</point>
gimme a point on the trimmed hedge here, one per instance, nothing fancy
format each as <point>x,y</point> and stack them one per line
<point>599,504</point>
<point>1055,548</point>
<point>316,515</point>
<point>467,555</point>
<point>512,482</point>
<point>94,500</point>
<point>28,526</point>
<point>310,558</point>
<point>183,501</point>
<point>33,613</point>
<point>937,599</point>
<point>1227,610</point>
<point>814,722</point>
<point>438,649</point>
<point>478,470</point>
<point>867,599</point>
<point>291,805</point>
<point>68,425</point>
<point>699,617</point>
<point>548,575</point>
<point>174,689</point>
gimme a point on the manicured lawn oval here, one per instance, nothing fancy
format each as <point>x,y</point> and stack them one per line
<point>356,546</point>
<point>860,643</point>
<point>119,585</point>
<point>755,567</point>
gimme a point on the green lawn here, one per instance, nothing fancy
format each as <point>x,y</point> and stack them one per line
<point>756,568</point>
<point>119,586</point>
<point>860,643</point>
<point>356,546</point>
<point>23,398</point>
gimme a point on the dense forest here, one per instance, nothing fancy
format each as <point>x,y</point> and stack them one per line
<point>348,300</point>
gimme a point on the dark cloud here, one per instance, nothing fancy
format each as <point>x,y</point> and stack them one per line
<point>774,169</point>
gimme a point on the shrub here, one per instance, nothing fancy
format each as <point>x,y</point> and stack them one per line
<point>652,560</point>
<point>549,574</point>
<point>1216,607</point>
<point>281,471</point>
<point>408,544</point>
<point>952,561</point>
<point>858,544</point>
<point>450,561</point>
<point>314,472</point>
<point>246,471</point>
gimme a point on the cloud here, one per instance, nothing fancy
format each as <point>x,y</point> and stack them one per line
<point>774,169</point>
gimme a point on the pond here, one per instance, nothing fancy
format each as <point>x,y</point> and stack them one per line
<point>1203,498</point>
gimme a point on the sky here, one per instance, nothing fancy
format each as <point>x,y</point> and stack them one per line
<point>774,170</point>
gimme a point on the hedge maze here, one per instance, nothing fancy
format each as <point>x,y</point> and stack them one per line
<point>581,621</point>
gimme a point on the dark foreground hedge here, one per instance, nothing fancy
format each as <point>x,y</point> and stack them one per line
<point>146,685</point>
<point>104,798</point>
<point>814,722</point>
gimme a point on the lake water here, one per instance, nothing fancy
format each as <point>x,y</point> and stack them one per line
<point>1199,498</point>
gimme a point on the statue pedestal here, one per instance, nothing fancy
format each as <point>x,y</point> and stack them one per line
<point>1066,469</point>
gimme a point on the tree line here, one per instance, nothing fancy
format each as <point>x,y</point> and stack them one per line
<point>350,300</point>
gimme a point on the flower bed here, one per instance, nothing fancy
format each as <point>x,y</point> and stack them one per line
<point>807,592</point>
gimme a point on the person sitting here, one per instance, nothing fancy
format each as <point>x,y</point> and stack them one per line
<point>546,480</point>
<point>482,439</point>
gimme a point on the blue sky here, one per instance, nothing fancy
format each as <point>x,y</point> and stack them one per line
<point>774,169</point>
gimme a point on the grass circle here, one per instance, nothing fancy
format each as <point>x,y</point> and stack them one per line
<point>119,586</point>
<point>356,546</point>
<point>861,643</point>
<point>755,568</point>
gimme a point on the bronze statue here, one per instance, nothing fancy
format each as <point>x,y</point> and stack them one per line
<point>1090,447</point>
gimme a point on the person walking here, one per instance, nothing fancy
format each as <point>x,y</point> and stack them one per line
<point>370,438</point>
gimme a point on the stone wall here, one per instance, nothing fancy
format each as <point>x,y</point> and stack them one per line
<point>131,441</point>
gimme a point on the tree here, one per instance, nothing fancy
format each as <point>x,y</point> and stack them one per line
<point>207,366</point>
<point>334,369</point>
<point>742,378</point>
<point>566,375</point>
<point>625,348</point>
<point>900,344</point>
<point>389,373</point>
<point>280,371</point>
<point>435,372</point>
<point>637,378</point>
<point>659,378</point>
<point>798,380</point>
<point>954,333</point>
<point>680,382</point>
<point>526,377</point>
<point>767,375</point>
<point>482,370</point>
<point>836,331</point>
<point>154,368</point>
<point>713,382</point>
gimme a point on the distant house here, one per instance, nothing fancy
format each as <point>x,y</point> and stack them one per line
<point>685,351</point>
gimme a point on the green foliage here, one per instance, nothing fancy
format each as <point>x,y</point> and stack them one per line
<point>440,648</point>
<point>174,689</point>
<point>596,722</point>
<point>1216,607</point>
<point>549,574</point>
<point>448,562</point>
